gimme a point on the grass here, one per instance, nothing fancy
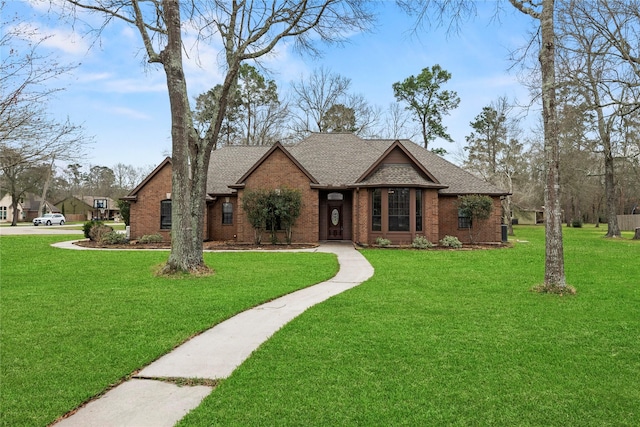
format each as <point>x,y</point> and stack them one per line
<point>75,322</point>
<point>455,338</point>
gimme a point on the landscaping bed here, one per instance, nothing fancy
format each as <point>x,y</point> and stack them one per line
<point>208,246</point>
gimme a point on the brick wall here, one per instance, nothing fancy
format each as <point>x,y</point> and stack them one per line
<point>361,219</point>
<point>218,230</point>
<point>430,213</point>
<point>486,231</point>
<point>278,171</point>
<point>145,211</point>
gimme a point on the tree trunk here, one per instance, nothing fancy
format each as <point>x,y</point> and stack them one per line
<point>554,275</point>
<point>610,191</point>
<point>46,186</point>
<point>508,206</point>
<point>14,206</point>
<point>188,176</point>
<point>636,236</point>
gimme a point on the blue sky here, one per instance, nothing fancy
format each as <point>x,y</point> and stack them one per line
<point>123,103</point>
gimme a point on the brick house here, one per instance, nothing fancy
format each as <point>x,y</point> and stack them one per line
<point>352,189</point>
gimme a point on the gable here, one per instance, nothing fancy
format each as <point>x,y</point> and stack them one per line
<point>398,167</point>
<point>276,165</point>
<point>75,201</point>
<point>133,195</point>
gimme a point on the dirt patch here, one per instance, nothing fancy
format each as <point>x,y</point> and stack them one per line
<point>208,246</point>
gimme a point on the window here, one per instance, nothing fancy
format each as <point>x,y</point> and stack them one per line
<point>165,215</point>
<point>399,209</point>
<point>227,213</point>
<point>278,224</point>
<point>463,221</point>
<point>418,210</point>
<point>376,217</point>
<point>3,212</point>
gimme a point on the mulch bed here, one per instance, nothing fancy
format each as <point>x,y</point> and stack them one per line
<point>209,246</point>
<point>231,245</point>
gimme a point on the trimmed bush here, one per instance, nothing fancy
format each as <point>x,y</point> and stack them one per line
<point>576,223</point>
<point>113,238</point>
<point>86,227</point>
<point>99,230</point>
<point>450,242</point>
<point>150,238</point>
<point>381,241</point>
<point>421,242</point>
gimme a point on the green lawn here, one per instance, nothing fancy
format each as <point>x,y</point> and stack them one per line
<point>74,322</point>
<point>455,338</point>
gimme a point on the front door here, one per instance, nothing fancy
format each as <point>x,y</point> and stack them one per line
<point>335,221</point>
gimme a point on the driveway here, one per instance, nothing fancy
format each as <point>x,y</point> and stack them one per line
<point>24,229</point>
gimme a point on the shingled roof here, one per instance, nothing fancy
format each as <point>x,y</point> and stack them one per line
<point>339,160</point>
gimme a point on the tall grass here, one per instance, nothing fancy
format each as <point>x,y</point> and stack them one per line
<point>455,338</point>
<point>74,322</point>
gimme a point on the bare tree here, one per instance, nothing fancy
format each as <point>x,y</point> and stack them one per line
<point>542,11</point>
<point>29,137</point>
<point>128,176</point>
<point>248,30</point>
<point>398,123</point>
<point>597,62</point>
<point>315,96</point>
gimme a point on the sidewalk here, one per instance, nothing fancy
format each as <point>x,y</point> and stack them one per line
<point>145,400</point>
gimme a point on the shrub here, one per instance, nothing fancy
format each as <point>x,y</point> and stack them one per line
<point>577,223</point>
<point>475,207</point>
<point>98,230</point>
<point>272,210</point>
<point>113,238</point>
<point>151,238</point>
<point>125,210</point>
<point>86,227</point>
<point>421,242</point>
<point>450,242</point>
<point>381,241</point>
<point>254,204</point>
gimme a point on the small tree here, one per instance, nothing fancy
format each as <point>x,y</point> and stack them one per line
<point>124,207</point>
<point>289,209</point>
<point>272,210</point>
<point>476,207</point>
<point>254,204</point>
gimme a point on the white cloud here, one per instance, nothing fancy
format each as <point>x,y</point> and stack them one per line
<point>134,86</point>
<point>93,77</point>
<point>64,40</point>
<point>129,112</point>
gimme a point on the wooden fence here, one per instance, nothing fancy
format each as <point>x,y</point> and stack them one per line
<point>628,222</point>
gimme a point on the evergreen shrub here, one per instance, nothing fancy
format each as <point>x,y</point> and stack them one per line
<point>450,242</point>
<point>421,242</point>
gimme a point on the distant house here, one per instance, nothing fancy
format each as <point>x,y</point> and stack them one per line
<point>28,208</point>
<point>527,216</point>
<point>6,210</point>
<point>353,189</point>
<point>84,208</point>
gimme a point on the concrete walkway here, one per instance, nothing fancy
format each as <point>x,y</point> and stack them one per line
<point>146,400</point>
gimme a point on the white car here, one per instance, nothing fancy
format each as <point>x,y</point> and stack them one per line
<point>49,219</point>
